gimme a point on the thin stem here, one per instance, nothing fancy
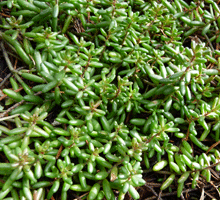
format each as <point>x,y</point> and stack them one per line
<point>5,79</point>
<point>7,58</point>
<point>11,108</point>
<point>210,44</point>
<point>9,117</point>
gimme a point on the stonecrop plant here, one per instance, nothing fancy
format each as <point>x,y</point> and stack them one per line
<point>109,91</point>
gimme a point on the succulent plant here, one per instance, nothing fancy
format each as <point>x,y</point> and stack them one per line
<point>110,90</point>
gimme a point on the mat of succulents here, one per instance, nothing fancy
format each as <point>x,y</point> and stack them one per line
<point>109,99</point>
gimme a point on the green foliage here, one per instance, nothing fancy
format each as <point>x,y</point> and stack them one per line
<point>112,84</point>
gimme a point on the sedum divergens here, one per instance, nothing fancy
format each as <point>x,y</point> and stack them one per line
<point>110,91</point>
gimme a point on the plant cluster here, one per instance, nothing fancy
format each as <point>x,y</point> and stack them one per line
<point>111,88</point>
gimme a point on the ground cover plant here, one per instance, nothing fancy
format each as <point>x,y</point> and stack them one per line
<point>110,99</point>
